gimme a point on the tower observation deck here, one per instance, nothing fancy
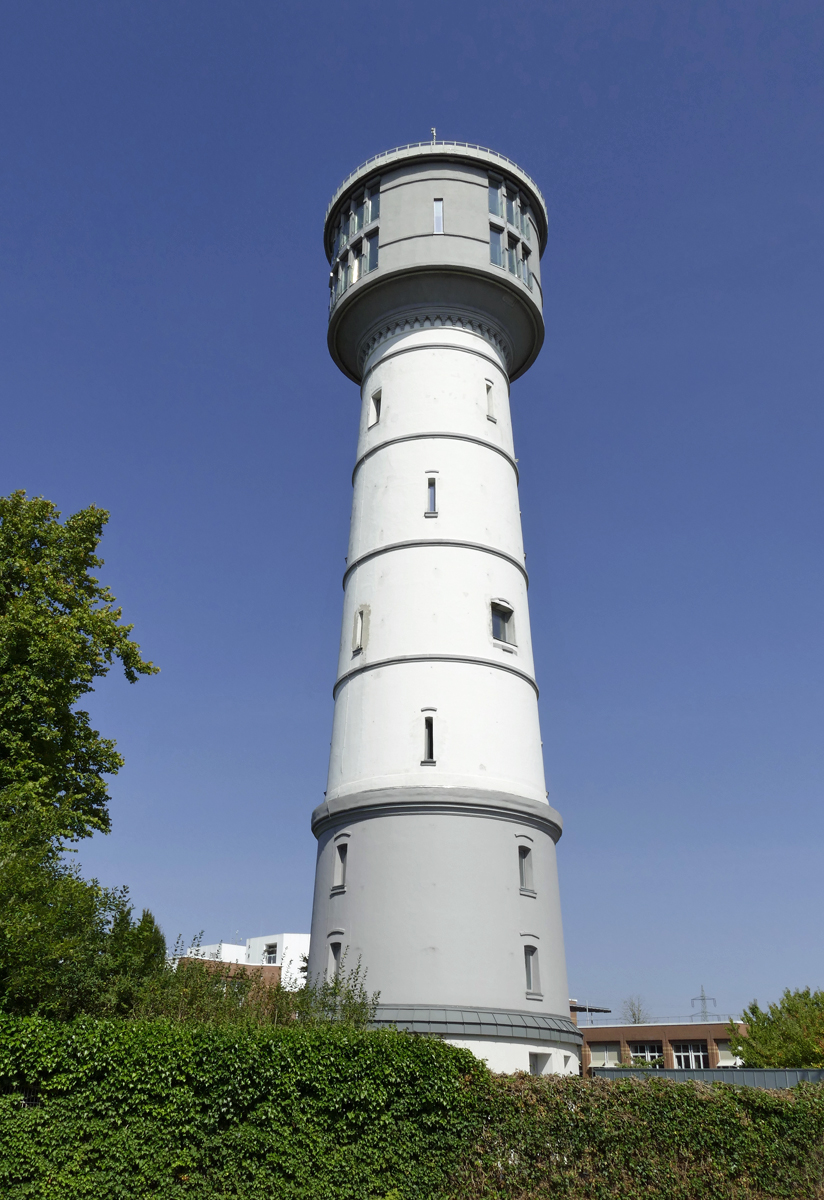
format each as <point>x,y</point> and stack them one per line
<point>436,843</point>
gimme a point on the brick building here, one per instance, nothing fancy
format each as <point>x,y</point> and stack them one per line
<point>689,1045</point>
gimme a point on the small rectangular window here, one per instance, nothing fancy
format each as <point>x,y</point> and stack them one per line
<point>357,634</point>
<point>526,274</point>
<point>371,252</point>
<point>431,496</point>
<point>340,865</point>
<point>503,627</point>
<point>538,1063</point>
<point>359,213</point>
<point>647,1052</point>
<point>344,230</point>
<point>690,1056</point>
<point>374,206</point>
<point>525,867</point>
<point>438,216</point>
<point>270,954</point>
<point>496,247</point>
<point>494,198</point>
<point>510,208</point>
<point>533,978</point>
<point>374,410</point>
<point>429,739</point>
<point>344,274</point>
<point>525,231</point>
<point>490,402</point>
<point>605,1054</point>
<point>334,959</point>
<point>512,256</point>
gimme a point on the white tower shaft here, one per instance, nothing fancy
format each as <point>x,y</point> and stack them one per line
<point>436,857</point>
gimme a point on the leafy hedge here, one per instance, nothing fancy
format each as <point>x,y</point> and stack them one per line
<point>122,1109</point>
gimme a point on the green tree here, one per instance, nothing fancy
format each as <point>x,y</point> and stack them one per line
<point>59,631</point>
<point>787,1034</point>
<point>67,945</point>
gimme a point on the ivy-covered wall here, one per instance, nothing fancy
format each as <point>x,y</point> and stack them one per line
<point>121,1109</point>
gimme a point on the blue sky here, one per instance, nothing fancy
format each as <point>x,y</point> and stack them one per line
<point>164,171</point>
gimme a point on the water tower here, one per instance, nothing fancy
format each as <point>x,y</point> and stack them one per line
<point>436,843</point>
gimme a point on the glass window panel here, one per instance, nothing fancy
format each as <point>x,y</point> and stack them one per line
<point>374,206</point>
<point>525,223</point>
<point>526,274</point>
<point>512,257</point>
<point>495,199</point>
<point>510,209</point>
<point>372,252</point>
<point>496,247</point>
<point>359,214</point>
<point>438,216</point>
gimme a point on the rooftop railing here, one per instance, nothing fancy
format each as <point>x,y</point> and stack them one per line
<point>376,158</point>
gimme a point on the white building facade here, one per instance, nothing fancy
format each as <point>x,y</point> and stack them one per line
<point>436,842</point>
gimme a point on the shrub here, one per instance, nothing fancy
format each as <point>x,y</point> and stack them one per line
<point>162,1109</point>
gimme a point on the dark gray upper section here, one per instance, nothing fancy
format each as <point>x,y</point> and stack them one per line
<point>437,229</point>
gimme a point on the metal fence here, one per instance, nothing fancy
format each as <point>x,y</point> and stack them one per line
<point>760,1077</point>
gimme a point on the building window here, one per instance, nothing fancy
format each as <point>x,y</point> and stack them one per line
<point>510,208</point>
<point>438,216</point>
<point>526,273</point>
<point>344,274</point>
<point>503,626</point>
<point>431,497</point>
<point>525,223</point>
<point>605,1054</point>
<point>726,1058</point>
<point>358,214</point>
<point>490,401</point>
<point>340,865</point>
<point>538,1063</point>
<point>357,633</point>
<point>533,976</point>
<point>512,255</point>
<point>270,954</point>
<point>371,251</point>
<point>374,410</point>
<point>690,1056</point>
<point>333,966</point>
<point>428,740</point>
<point>647,1052</point>
<point>525,868</point>
<point>495,198</point>
<point>496,247</point>
<point>374,205</point>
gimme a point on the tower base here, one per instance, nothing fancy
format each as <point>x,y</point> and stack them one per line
<point>538,1043</point>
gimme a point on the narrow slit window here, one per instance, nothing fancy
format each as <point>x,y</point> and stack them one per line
<point>359,214</point>
<point>494,198</point>
<point>510,209</point>
<point>374,206</point>
<point>340,864</point>
<point>490,401</point>
<point>334,959</point>
<point>525,223</point>
<point>533,978</point>
<point>429,739</point>
<point>512,256</point>
<point>431,496</point>
<point>374,409</point>
<point>525,867</point>
<point>371,252</point>
<point>496,247</point>
<point>503,626</point>
<point>357,635</point>
<point>526,273</point>
<point>438,216</point>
